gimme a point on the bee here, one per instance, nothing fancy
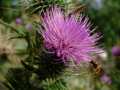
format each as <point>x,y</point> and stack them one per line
<point>98,69</point>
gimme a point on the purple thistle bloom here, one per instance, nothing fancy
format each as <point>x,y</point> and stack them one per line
<point>116,51</point>
<point>18,21</point>
<point>106,79</point>
<point>68,37</point>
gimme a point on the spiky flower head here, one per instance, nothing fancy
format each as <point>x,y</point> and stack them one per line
<point>106,79</point>
<point>116,50</point>
<point>68,37</point>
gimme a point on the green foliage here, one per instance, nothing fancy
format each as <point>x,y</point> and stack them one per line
<point>39,69</point>
<point>18,79</point>
<point>8,8</point>
<point>38,61</point>
<point>54,84</point>
<point>39,6</point>
<point>107,21</point>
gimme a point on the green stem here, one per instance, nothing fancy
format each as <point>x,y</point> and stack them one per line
<point>8,25</point>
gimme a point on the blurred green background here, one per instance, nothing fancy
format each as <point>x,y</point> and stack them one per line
<point>104,15</point>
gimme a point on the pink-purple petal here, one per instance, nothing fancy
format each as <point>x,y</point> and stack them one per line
<point>70,37</point>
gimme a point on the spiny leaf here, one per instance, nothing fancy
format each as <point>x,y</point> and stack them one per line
<point>53,84</point>
<point>41,5</point>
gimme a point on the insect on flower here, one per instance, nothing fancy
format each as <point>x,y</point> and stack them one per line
<point>98,69</point>
<point>68,37</point>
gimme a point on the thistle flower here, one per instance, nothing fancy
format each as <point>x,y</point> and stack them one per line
<point>18,21</point>
<point>68,37</point>
<point>106,79</point>
<point>116,50</point>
